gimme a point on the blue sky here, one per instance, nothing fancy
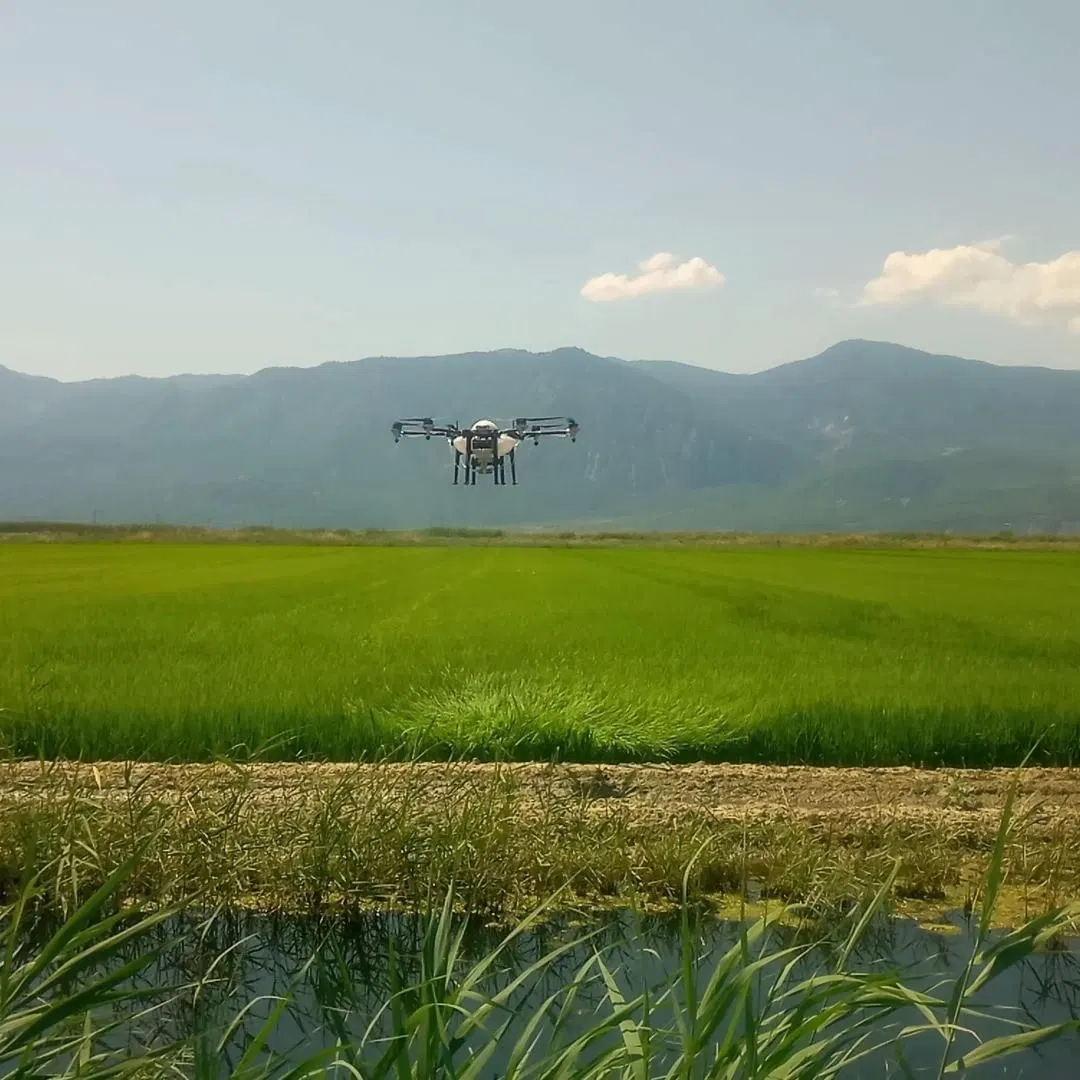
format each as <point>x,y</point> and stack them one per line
<point>223,186</point>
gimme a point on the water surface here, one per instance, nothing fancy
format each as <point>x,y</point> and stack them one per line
<point>336,973</point>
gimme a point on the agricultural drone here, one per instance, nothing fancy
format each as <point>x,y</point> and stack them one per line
<point>486,447</point>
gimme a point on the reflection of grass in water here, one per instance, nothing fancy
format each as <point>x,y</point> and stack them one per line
<point>815,655</point>
<point>751,1011</point>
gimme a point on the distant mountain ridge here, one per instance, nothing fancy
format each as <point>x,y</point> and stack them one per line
<point>866,435</point>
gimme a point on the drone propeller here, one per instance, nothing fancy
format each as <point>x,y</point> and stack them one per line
<point>423,426</point>
<point>521,421</point>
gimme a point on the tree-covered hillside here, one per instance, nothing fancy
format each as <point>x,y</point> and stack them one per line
<point>866,435</point>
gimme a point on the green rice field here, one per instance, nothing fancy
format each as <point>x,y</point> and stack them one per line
<point>817,655</point>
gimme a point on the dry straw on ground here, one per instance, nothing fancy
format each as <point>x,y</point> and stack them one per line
<point>307,836</point>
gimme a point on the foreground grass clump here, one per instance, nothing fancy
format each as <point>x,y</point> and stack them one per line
<point>752,1012</point>
<point>184,651</point>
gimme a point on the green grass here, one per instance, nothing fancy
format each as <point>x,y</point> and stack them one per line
<point>816,655</point>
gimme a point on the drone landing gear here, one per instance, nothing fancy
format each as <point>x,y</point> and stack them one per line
<point>470,468</point>
<point>499,469</point>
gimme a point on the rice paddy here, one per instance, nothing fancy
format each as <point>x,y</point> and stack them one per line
<point>174,651</point>
<point>265,658</point>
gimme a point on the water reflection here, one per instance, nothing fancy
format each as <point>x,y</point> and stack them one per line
<point>339,973</point>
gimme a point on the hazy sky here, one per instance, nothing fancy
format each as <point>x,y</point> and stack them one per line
<point>223,185</point>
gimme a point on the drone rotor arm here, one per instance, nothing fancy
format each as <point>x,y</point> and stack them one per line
<point>531,427</point>
<point>422,428</point>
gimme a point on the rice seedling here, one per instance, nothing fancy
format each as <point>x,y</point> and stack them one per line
<point>187,651</point>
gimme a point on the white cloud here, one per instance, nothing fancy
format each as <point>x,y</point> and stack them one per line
<point>659,273</point>
<point>979,276</point>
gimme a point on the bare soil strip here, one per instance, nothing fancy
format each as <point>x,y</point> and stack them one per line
<point>645,793</point>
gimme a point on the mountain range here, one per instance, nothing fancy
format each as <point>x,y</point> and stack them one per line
<point>864,436</point>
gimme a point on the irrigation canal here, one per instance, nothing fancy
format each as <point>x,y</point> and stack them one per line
<point>336,973</point>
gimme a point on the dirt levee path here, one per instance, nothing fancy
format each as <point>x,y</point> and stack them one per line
<point>645,793</point>
<point>289,836</point>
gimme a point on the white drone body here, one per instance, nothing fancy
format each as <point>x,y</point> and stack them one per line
<point>485,447</point>
<point>484,456</point>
